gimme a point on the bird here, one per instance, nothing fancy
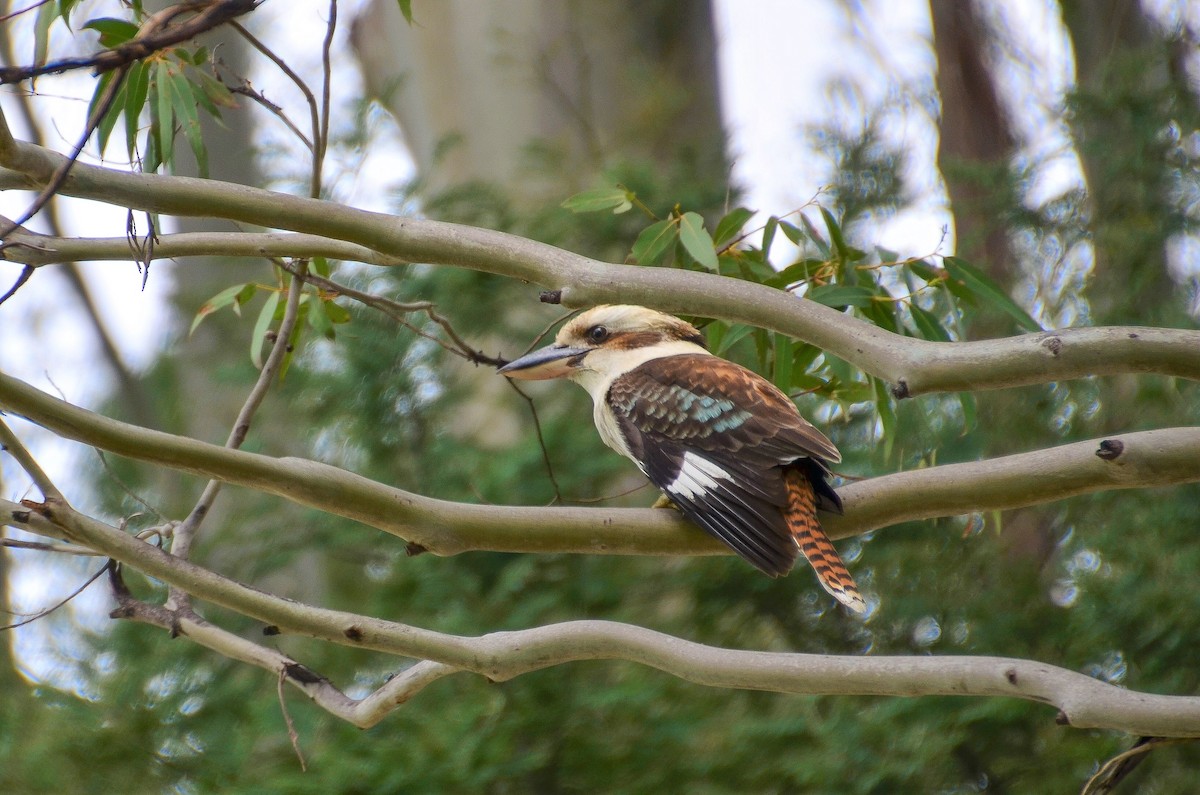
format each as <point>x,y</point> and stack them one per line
<point>723,444</point>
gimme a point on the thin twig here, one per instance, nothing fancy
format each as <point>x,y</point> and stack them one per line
<point>185,533</point>
<point>326,84</point>
<point>537,427</point>
<point>60,174</point>
<point>1114,771</point>
<point>397,311</point>
<point>158,32</point>
<point>61,602</point>
<point>287,718</point>
<point>10,443</point>
<point>44,546</point>
<point>26,9</point>
<point>314,115</point>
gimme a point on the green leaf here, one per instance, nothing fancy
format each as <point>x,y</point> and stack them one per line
<point>137,84</point>
<point>804,357</point>
<point>41,32</point>
<point>882,313</point>
<point>261,327</point>
<point>736,333</point>
<point>784,356</point>
<point>887,415</point>
<point>795,273</point>
<point>697,241</point>
<point>978,283</point>
<point>751,266</point>
<point>337,313</point>
<point>64,9</point>
<point>105,127</point>
<point>216,94</point>
<point>236,295</point>
<point>816,238</point>
<point>769,230</point>
<point>729,226</point>
<point>321,266</point>
<point>927,271</point>
<point>184,104</point>
<point>590,201</point>
<point>406,10</point>
<point>928,325</point>
<point>835,234</point>
<point>654,241</point>
<point>320,322</point>
<point>792,232</point>
<point>162,108</point>
<point>113,32</point>
<point>855,392</point>
<point>840,296</point>
<point>970,414</point>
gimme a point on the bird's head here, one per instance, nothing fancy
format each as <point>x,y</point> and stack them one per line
<point>606,341</point>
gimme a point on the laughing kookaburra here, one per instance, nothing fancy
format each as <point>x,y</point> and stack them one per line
<point>725,446</point>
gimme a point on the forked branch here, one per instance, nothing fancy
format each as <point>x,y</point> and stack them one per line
<point>1080,701</point>
<point>912,366</point>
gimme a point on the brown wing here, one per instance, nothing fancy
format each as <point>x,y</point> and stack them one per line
<point>716,437</point>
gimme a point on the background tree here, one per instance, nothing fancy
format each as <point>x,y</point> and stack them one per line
<point>383,401</point>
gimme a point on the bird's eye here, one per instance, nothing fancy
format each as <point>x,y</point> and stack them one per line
<point>597,334</point>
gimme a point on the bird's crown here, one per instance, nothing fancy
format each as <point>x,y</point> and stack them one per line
<point>626,326</point>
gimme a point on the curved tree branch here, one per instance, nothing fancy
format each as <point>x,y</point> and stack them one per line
<point>913,366</point>
<point>1082,702</point>
<point>1142,459</point>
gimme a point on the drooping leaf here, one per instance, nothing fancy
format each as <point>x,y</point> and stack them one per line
<point>816,238</point>
<point>65,7</point>
<point>653,242</point>
<point>987,290</point>
<point>795,273</point>
<point>261,327</point>
<point>162,107</point>
<point>590,201</point>
<point>320,322</point>
<point>736,333</point>
<point>784,359</point>
<point>41,32</point>
<point>105,127</point>
<point>337,313</point>
<point>137,84</point>
<point>697,241</point>
<point>840,296</point>
<point>791,232</point>
<point>769,230</point>
<point>233,296</point>
<point>184,104</point>
<point>113,32</point>
<point>928,325</point>
<point>882,313</point>
<point>729,226</point>
<point>835,235</point>
<point>887,415</point>
<point>406,10</point>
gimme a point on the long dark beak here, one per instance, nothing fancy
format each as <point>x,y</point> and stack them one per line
<point>553,361</point>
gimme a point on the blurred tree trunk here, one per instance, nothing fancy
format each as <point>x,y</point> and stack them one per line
<point>976,140</point>
<point>537,98</point>
<point>479,88</point>
<point>1124,100</point>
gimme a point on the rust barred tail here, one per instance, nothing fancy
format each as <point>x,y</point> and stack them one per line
<point>802,521</point>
